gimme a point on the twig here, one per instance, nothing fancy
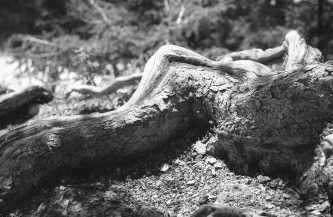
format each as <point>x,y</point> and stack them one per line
<point>39,41</point>
<point>44,42</point>
<point>166,5</point>
<point>112,88</point>
<point>100,11</point>
<point>180,15</point>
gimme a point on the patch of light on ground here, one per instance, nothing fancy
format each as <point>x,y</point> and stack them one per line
<point>11,71</point>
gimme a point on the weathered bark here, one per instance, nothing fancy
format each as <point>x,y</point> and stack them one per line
<point>19,106</point>
<point>266,121</point>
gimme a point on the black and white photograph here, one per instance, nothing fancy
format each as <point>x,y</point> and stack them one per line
<point>166,108</point>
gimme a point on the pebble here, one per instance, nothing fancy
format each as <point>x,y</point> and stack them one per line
<point>310,207</point>
<point>200,148</point>
<point>269,206</point>
<point>213,172</point>
<point>263,179</point>
<point>268,197</point>
<point>286,195</point>
<point>316,212</point>
<point>165,168</point>
<point>179,162</point>
<point>218,165</point>
<point>212,197</point>
<point>324,206</point>
<point>190,182</point>
<point>211,160</point>
<point>276,183</point>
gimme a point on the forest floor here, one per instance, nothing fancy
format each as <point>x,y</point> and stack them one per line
<point>172,181</point>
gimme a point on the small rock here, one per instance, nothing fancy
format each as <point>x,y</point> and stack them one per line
<point>218,165</point>
<point>316,213</point>
<point>211,160</point>
<point>165,168</point>
<point>248,181</point>
<point>62,188</point>
<point>200,147</point>
<point>273,184</point>
<point>190,182</point>
<point>213,171</point>
<point>324,206</point>
<point>212,197</point>
<point>269,206</point>
<point>179,162</point>
<point>263,179</point>
<point>310,207</point>
<point>276,183</point>
<point>268,197</point>
<point>281,184</point>
<point>286,195</point>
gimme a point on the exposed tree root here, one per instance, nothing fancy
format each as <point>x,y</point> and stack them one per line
<point>267,121</point>
<point>19,106</point>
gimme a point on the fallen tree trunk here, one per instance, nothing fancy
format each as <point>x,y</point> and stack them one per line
<point>19,106</point>
<point>266,121</point>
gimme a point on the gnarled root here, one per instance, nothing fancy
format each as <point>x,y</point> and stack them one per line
<point>265,121</point>
<point>19,106</point>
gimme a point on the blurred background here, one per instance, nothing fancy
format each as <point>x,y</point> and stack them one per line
<point>85,40</point>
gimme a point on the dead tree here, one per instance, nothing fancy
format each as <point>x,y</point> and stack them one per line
<point>19,106</point>
<point>268,117</point>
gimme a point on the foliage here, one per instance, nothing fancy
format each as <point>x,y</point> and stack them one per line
<point>112,36</point>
